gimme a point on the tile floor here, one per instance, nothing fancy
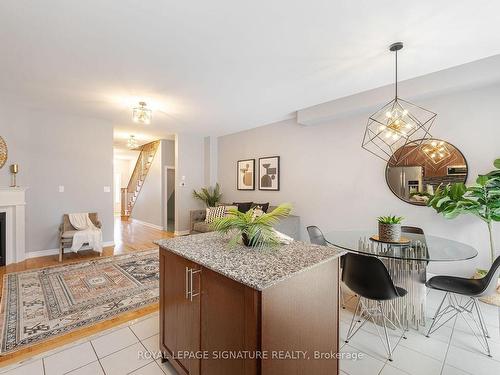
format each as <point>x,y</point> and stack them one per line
<point>443,353</point>
<point>113,352</point>
<point>116,351</point>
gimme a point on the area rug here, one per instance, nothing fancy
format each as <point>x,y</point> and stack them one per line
<point>40,304</point>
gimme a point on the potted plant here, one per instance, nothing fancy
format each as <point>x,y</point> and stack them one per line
<point>389,228</point>
<point>254,227</point>
<point>481,200</point>
<point>210,196</point>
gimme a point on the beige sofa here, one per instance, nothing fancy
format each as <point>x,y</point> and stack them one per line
<point>289,225</point>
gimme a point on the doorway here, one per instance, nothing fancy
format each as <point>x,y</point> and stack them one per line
<point>169,203</point>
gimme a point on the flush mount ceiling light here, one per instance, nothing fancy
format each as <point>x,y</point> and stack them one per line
<point>436,151</point>
<point>141,114</point>
<point>131,142</point>
<point>396,125</point>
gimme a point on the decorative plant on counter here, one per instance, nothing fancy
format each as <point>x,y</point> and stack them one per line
<point>481,200</point>
<point>389,228</point>
<point>254,227</point>
<point>210,196</point>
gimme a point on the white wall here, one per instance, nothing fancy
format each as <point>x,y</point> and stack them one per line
<point>150,203</point>
<point>333,183</point>
<point>189,175</point>
<point>55,149</point>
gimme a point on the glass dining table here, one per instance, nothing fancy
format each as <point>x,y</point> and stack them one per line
<point>407,264</point>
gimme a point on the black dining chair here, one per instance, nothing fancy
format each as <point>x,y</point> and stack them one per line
<point>368,277</point>
<point>412,230</point>
<point>471,289</point>
<point>317,238</point>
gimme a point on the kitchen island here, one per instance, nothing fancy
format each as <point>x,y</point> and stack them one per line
<point>245,310</point>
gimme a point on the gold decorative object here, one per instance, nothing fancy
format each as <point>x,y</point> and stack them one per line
<point>436,151</point>
<point>14,170</point>
<point>3,152</point>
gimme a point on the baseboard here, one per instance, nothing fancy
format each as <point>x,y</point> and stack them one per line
<point>181,232</point>
<point>43,253</point>
<point>151,225</point>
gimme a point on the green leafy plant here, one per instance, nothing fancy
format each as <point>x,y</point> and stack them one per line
<point>390,219</point>
<point>210,196</point>
<point>481,200</point>
<point>254,227</point>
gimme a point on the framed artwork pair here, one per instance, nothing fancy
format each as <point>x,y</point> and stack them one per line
<point>268,170</point>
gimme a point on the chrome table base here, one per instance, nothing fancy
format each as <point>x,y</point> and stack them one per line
<point>405,273</point>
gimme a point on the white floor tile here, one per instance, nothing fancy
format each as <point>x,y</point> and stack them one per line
<point>449,370</point>
<point>468,342</point>
<point>152,344</point>
<point>167,368</point>
<point>31,368</point>
<point>151,369</point>
<point>93,368</point>
<point>425,345</point>
<point>125,360</point>
<point>414,362</point>
<point>390,370</point>
<point>472,362</point>
<point>114,341</point>
<point>364,365</point>
<point>69,359</point>
<point>146,328</point>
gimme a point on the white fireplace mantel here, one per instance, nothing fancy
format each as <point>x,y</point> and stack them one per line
<point>13,203</point>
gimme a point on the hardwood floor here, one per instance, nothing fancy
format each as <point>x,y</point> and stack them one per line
<point>129,236</point>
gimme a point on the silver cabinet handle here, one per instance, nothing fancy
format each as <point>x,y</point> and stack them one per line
<point>186,286</point>
<point>191,292</point>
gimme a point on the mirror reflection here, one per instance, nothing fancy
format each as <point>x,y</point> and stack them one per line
<point>424,166</point>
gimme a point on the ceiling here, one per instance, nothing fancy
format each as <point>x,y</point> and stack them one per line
<point>220,66</point>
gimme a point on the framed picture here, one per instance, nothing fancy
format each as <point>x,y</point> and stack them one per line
<point>269,173</point>
<point>245,170</point>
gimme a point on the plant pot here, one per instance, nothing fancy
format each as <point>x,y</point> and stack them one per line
<point>389,232</point>
<point>246,240</point>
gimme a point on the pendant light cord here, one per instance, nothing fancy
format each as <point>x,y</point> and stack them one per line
<point>396,74</point>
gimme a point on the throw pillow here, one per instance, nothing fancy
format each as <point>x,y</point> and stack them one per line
<point>243,206</point>
<point>214,213</point>
<point>263,206</point>
<point>228,207</point>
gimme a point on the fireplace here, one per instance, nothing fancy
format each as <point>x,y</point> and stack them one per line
<point>3,238</point>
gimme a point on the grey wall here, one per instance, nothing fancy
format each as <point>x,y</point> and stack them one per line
<point>190,165</point>
<point>336,185</point>
<point>55,149</point>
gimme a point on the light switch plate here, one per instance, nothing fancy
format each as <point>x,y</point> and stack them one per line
<point>107,189</point>
<point>61,188</point>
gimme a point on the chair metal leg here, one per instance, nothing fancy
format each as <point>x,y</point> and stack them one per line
<point>457,307</point>
<point>388,343</point>
<point>371,313</point>
<point>440,313</point>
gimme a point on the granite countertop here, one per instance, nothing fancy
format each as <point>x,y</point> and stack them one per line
<point>256,268</point>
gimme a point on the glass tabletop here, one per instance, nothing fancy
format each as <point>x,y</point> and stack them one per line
<point>420,247</point>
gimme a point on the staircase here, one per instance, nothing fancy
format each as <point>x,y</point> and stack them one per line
<point>141,169</point>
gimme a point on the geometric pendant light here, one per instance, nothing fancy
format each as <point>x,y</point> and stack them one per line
<point>394,130</point>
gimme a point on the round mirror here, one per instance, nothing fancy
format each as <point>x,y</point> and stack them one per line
<point>421,167</point>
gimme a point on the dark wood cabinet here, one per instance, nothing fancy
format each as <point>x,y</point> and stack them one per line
<point>180,313</point>
<point>206,314</point>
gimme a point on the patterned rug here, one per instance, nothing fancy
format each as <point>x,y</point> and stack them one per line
<point>41,304</point>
